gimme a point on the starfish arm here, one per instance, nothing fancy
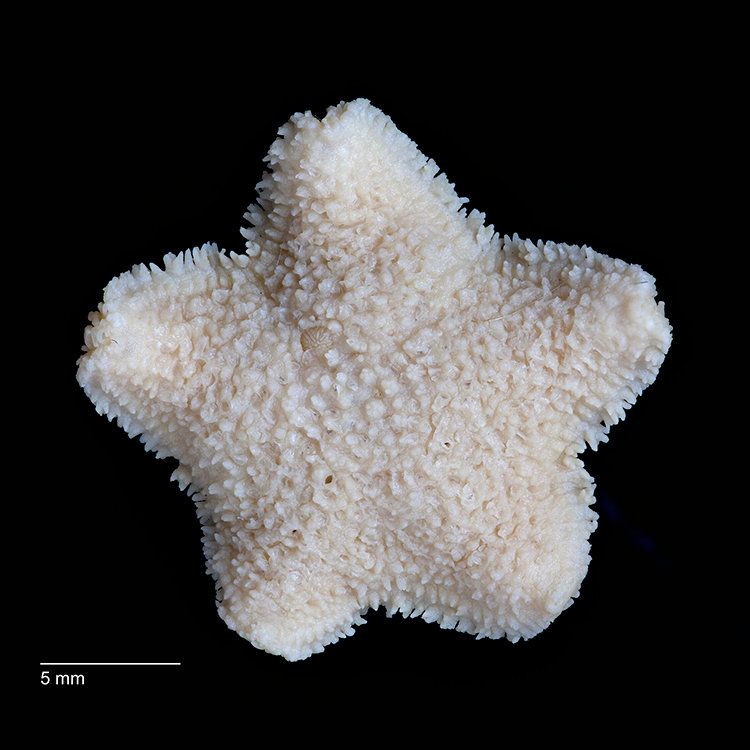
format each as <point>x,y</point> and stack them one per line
<point>352,195</point>
<point>588,329</point>
<point>161,355</point>
<point>482,533</point>
<point>284,598</point>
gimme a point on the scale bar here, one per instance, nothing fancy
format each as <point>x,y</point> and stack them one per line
<point>110,663</point>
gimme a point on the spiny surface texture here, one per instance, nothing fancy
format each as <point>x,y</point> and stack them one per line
<point>380,402</point>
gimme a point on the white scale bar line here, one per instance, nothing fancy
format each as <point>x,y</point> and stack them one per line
<point>109,663</point>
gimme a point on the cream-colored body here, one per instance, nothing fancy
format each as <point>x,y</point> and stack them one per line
<point>381,401</point>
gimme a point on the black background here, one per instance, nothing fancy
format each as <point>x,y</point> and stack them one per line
<point>150,151</point>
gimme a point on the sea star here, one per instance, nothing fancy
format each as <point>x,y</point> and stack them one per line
<point>382,400</point>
